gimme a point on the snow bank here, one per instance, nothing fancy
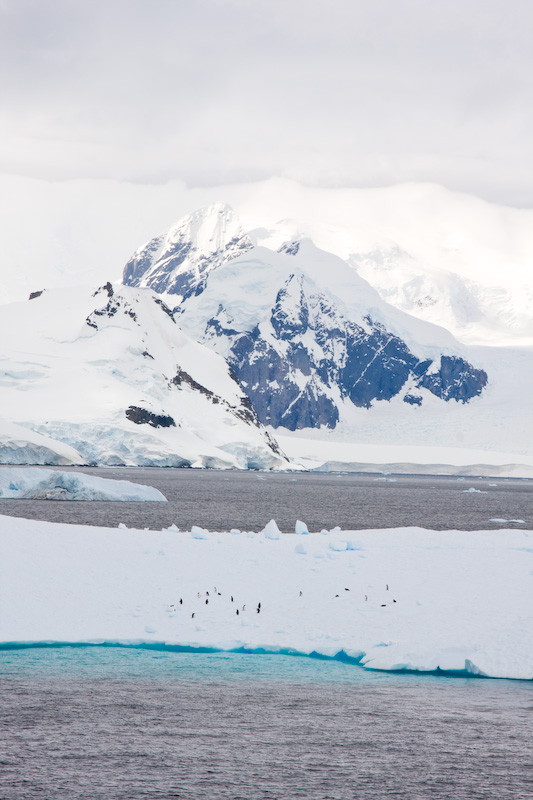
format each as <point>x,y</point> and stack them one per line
<point>48,484</point>
<point>395,599</point>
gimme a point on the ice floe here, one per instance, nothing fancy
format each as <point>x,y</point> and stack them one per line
<point>395,599</point>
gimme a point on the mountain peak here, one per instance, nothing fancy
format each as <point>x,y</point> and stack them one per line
<point>177,263</point>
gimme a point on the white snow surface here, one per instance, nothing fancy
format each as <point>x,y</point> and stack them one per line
<point>463,599</point>
<point>31,483</point>
<point>75,360</point>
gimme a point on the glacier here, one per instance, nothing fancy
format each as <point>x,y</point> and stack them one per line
<point>398,599</point>
<point>21,445</point>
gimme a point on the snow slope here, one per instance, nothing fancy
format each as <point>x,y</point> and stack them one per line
<point>396,599</point>
<point>48,484</point>
<point>109,373</point>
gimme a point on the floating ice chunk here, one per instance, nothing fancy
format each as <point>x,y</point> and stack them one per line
<point>150,629</point>
<point>301,548</point>
<point>199,533</point>
<point>235,531</point>
<point>472,491</point>
<point>122,527</point>
<point>336,529</point>
<point>173,528</point>
<point>271,530</point>
<point>300,527</point>
<point>324,532</point>
<point>515,521</point>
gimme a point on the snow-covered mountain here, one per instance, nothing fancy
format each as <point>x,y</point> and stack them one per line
<point>315,347</point>
<point>447,257</point>
<point>110,374</point>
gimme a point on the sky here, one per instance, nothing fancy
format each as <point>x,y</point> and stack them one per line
<point>354,93</point>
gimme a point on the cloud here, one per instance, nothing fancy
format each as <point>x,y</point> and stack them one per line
<point>359,92</point>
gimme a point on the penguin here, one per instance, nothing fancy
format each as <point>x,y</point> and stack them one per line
<point>207,602</point>
<point>383,605</point>
<point>244,607</point>
<point>199,595</point>
<point>231,598</point>
<point>207,594</point>
<point>215,590</point>
<point>301,594</point>
<point>192,615</point>
<point>259,605</point>
<point>181,601</point>
<point>394,601</point>
<point>366,597</point>
<point>237,612</point>
<point>336,595</point>
<point>387,586</point>
<point>346,590</point>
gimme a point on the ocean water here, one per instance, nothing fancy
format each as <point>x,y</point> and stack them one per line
<point>88,723</point>
<point>220,500</point>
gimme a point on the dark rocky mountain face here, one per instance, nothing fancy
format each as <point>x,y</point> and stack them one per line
<point>297,365</point>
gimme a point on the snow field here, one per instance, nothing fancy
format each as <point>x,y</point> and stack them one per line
<point>406,598</point>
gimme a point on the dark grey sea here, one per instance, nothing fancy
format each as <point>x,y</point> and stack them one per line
<point>127,724</point>
<point>220,500</point>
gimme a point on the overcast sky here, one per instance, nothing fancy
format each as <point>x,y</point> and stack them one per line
<point>334,93</point>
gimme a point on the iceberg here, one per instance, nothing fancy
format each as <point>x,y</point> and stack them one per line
<point>31,483</point>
